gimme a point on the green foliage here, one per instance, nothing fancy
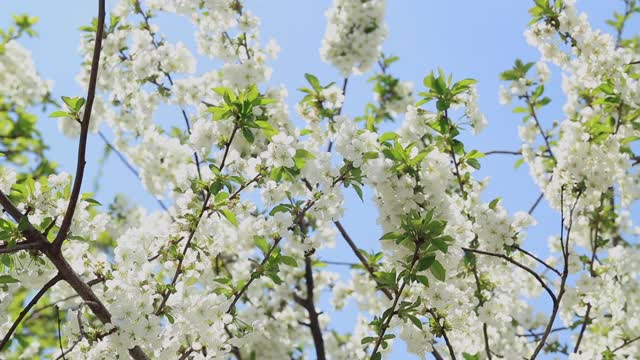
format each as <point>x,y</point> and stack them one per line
<point>385,88</point>
<point>314,97</point>
<point>423,236</point>
<point>240,108</point>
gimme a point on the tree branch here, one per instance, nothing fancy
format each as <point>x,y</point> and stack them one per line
<point>84,131</point>
<point>27,308</point>
<point>22,245</point>
<point>309,304</point>
<point>444,334</point>
<point>535,204</point>
<point>238,295</point>
<point>503,152</point>
<point>516,263</point>
<point>565,271</point>
<point>538,260</point>
<point>128,165</point>
<point>205,203</point>
<point>360,257</point>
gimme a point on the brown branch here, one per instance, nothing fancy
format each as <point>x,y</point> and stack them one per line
<point>60,333</point>
<point>87,295</point>
<point>276,242</point>
<point>167,292</point>
<point>238,295</point>
<point>309,304</point>
<point>444,334</point>
<point>516,263</point>
<point>532,334</point>
<point>138,9</point>
<point>84,132</point>
<point>27,308</point>
<point>344,94</point>
<point>503,152</point>
<point>360,257</point>
<point>45,307</point>
<point>205,203</point>
<point>535,204</point>
<point>534,115</point>
<point>128,165</point>
<point>592,273</point>
<point>22,245</point>
<point>565,271</point>
<point>66,271</point>
<point>538,260</point>
<point>585,322</point>
<point>481,303</point>
<point>398,293</point>
<point>625,343</point>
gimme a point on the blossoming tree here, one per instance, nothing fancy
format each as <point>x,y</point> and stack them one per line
<point>227,268</point>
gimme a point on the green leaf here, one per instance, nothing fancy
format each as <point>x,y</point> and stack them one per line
<point>367,340</point>
<point>280,208</point>
<point>425,262</point>
<point>262,244</point>
<point>415,321</point>
<point>388,136</point>
<point>438,270</point>
<point>304,154</point>
<point>6,279</point>
<point>92,201</point>
<point>475,154</point>
<point>216,186</point>
<point>266,101</point>
<point>23,224</point>
<point>441,244</point>
<point>494,203</point>
<point>73,103</point>
<point>315,83</point>
<point>391,236</point>
<point>60,114</point>
<point>231,217</point>
<point>275,278</point>
<point>170,318</point>
<point>288,260</point>
<point>358,190</point>
<point>473,163</point>
<point>248,135</point>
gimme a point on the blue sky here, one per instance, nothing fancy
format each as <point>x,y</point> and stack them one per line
<point>468,38</point>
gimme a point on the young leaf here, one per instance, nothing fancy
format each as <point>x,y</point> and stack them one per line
<point>231,217</point>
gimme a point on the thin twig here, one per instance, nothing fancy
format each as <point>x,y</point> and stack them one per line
<point>360,257</point>
<point>556,271</point>
<point>625,343</point>
<point>59,333</point>
<point>130,167</point>
<point>238,295</point>
<point>535,204</point>
<point>516,263</point>
<point>565,271</point>
<point>205,204</point>
<point>503,152</point>
<point>27,308</point>
<point>344,94</point>
<point>532,110</point>
<point>444,334</point>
